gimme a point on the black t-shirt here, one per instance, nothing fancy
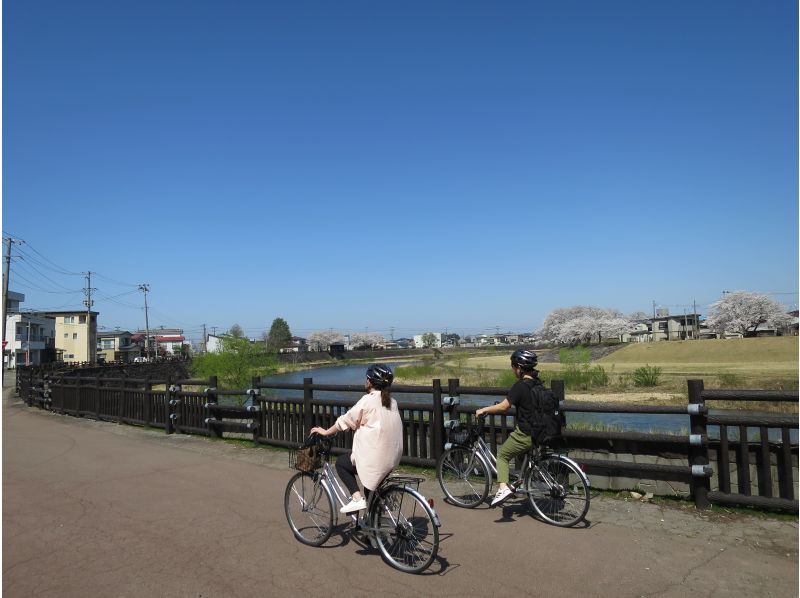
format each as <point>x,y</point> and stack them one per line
<point>520,396</point>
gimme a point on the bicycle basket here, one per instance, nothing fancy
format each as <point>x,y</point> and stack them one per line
<point>460,436</point>
<point>307,458</point>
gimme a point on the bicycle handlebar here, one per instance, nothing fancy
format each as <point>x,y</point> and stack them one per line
<point>319,440</point>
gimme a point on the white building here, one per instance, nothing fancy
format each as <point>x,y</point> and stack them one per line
<point>213,344</point>
<point>420,344</point>
<point>28,338</point>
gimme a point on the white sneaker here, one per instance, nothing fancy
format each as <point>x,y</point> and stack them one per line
<point>354,505</point>
<point>501,495</point>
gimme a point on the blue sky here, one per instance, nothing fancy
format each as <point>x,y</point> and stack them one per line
<point>410,166</point>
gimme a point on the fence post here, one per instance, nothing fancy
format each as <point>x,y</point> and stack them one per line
<point>308,414</point>
<point>148,401</point>
<point>698,453</point>
<point>438,420</point>
<point>453,385</point>
<point>169,426</point>
<point>255,416</point>
<point>97,398</point>
<point>212,399</point>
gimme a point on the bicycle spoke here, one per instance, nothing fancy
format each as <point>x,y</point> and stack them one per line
<point>406,533</point>
<point>309,510</point>
<point>557,492</point>
<point>463,477</point>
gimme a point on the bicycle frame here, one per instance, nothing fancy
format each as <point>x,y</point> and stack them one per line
<point>331,482</point>
<point>481,450</point>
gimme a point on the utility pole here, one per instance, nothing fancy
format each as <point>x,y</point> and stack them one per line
<point>88,303</point>
<point>391,332</point>
<point>144,288</point>
<point>205,338</point>
<point>696,324</point>
<point>6,276</point>
<point>654,309</point>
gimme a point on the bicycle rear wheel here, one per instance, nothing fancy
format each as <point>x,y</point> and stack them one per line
<point>309,509</point>
<point>558,491</point>
<point>464,477</point>
<point>405,529</point>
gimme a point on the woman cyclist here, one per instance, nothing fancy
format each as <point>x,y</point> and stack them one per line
<point>378,438</point>
<point>523,362</point>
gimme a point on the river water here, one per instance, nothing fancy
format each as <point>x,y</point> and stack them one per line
<point>629,422</point>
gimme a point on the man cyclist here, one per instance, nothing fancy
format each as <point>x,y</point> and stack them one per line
<point>523,362</point>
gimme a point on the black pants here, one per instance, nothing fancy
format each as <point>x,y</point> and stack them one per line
<point>347,473</point>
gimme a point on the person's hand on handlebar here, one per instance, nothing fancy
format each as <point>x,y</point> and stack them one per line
<point>501,407</point>
<point>323,432</point>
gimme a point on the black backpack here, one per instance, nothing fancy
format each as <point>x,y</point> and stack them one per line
<point>548,419</point>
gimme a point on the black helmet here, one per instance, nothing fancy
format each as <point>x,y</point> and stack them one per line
<point>524,359</point>
<point>380,376</point>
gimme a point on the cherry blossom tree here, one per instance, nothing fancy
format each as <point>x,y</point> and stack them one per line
<point>582,324</point>
<point>366,340</point>
<point>744,312</point>
<point>321,340</point>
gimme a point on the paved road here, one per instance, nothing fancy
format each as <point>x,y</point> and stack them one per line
<point>100,509</point>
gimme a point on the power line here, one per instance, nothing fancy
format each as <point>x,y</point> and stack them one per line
<point>43,275</point>
<point>111,280</point>
<point>63,270</point>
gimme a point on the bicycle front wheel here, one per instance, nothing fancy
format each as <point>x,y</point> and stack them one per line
<point>558,491</point>
<point>405,529</point>
<point>464,477</point>
<point>309,509</point>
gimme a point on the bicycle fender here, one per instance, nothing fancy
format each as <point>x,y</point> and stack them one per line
<point>582,473</point>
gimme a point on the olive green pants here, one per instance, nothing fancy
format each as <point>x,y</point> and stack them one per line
<point>517,443</point>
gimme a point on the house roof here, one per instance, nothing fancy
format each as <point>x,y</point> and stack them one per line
<point>113,333</point>
<point>66,312</point>
<point>170,339</point>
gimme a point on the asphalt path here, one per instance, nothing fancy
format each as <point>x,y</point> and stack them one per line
<point>100,509</point>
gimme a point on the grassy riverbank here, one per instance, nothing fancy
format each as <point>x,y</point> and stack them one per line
<point>757,363</point>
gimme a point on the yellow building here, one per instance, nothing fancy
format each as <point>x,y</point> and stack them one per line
<point>75,338</point>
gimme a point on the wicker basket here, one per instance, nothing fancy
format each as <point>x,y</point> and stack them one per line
<point>300,460</point>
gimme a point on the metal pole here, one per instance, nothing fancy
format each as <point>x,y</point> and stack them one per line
<point>88,303</point>
<point>145,288</point>
<point>6,276</point>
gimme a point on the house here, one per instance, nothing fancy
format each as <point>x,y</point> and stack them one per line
<point>297,345</point>
<point>75,336</point>
<point>29,335</point>
<point>168,341</point>
<point>117,346</point>
<point>419,343</point>
<point>664,328</point>
<point>791,329</point>
<point>213,343</point>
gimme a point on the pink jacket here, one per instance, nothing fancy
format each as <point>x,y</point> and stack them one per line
<point>378,439</point>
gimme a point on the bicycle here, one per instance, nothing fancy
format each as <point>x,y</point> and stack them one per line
<point>557,488</point>
<point>398,519</point>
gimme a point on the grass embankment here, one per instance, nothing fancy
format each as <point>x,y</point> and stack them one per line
<point>749,363</point>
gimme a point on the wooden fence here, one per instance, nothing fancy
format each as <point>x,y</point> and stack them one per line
<point>730,469</point>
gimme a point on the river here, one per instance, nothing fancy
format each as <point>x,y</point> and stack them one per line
<point>630,422</point>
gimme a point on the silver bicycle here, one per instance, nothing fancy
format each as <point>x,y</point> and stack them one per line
<point>556,486</point>
<point>398,519</point>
